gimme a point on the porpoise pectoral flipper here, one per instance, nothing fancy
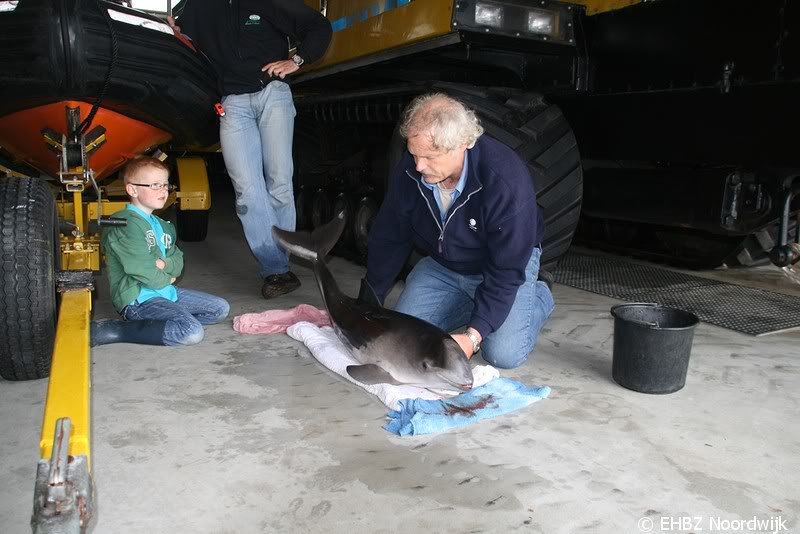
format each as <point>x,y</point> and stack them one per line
<point>371,374</point>
<point>393,348</point>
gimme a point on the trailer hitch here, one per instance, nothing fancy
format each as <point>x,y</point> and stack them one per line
<point>63,500</point>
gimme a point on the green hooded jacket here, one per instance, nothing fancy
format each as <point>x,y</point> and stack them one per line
<point>131,252</point>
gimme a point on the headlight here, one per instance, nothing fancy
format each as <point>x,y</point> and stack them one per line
<point>7,5</point>
<point>541,21</point>
<point>488,15</point>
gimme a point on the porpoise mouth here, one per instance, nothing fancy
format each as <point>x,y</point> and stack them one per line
<point>458,385</point>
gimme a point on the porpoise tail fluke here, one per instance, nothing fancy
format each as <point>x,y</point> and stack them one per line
<point>312,246</point>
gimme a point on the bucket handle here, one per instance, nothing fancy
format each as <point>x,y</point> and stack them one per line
<point>651,324</point>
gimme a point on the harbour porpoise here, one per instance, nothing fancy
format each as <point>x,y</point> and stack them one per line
<point>392,347</point>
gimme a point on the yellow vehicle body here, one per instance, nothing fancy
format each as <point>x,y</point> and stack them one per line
<point>601,6</point>
<point>360,29</point>
<point>363,28</point>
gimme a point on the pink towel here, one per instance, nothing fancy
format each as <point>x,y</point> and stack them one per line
<point>277,321</point>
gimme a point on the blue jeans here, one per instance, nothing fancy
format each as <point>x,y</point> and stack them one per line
<point>256,137</point>
<point>445,298</point>
<point>184,318</point>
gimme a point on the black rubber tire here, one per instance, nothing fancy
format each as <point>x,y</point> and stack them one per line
<point>321,208</point>
<point>28,304</point>
<point>345,204</point>
<point>302,204</point>
<point>364,214</point>
<point>539,133</point>
<point>192,225</point>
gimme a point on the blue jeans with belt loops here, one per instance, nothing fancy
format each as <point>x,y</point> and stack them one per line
<point>184,318</point>
<point>256,137</point>
<point>445,298</point>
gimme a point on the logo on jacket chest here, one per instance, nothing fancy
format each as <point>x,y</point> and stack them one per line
<point>472,224</point>
<point>150,238</point>
<point>253,20</point>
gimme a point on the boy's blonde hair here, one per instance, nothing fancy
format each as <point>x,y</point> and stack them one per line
<point>139,163</point>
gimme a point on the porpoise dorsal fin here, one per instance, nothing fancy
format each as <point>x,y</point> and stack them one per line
<point>315,245</point>
<point>371,374</point>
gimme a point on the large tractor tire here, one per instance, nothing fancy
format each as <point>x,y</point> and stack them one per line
<point>29,241</point>
<point>539,133</point>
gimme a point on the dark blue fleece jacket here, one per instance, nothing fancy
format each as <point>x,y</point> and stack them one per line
<point>491,229</point>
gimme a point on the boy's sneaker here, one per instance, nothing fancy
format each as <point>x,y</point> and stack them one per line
<point>276,285</point>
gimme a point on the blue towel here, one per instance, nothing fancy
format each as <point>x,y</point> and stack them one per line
<point>500,396</point>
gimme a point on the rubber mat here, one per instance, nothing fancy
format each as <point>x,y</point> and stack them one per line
<point>744,309</point>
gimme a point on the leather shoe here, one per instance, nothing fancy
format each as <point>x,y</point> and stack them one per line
<point>276,285</point>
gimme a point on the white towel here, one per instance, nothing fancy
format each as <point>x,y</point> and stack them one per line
<point>329,351</point>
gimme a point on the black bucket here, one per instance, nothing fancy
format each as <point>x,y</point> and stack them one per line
<point>652,344</point>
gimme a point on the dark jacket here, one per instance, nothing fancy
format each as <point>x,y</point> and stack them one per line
<point>241,36</point>
<point>491,229</point>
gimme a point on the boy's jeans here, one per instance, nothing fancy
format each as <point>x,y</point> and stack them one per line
<point>256,137</point>
<point>445,298</point>
<point>184,318</point>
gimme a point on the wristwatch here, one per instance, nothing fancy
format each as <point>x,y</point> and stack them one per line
<point>298,60</point>
<point>476,342</point>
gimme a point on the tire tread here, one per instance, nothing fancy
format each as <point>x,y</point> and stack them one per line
<point>27,293</point>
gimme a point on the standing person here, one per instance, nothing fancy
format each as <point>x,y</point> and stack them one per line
<point>143,262</point>
<point>469,202</point>
<point>248,43</point>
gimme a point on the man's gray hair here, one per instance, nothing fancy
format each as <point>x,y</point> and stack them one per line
<point>450,123</point>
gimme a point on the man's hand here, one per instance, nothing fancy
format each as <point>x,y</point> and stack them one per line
<point>160,264</point>
<point>181,37</point>
<point>280,68</point>
<point>465,343</point>
<point>173,24</point>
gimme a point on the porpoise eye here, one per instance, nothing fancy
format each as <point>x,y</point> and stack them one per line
<point>425,365</point>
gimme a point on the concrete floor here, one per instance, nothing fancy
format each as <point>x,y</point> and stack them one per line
<point>249,434</point>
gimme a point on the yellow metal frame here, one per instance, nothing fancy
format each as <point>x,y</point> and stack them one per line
<point>68,392</point>
<point>69,387</point>
<point>83,253</point>
<point>195,193</point>
<point>7,171</point>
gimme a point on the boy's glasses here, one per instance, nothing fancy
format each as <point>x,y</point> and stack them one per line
<point>158,187</point>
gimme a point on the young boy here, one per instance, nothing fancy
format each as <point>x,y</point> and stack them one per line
<point>143,262</point>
